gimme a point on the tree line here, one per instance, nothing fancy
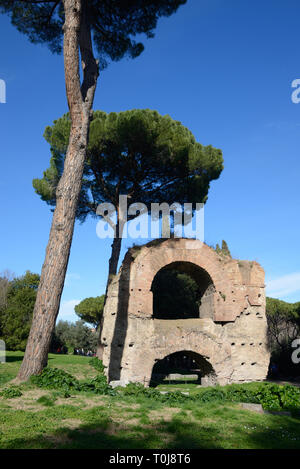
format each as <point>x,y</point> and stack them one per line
<point>17,299</point>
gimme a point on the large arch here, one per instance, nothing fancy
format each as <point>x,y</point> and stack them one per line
<point>181,290</point>
<point>227,300</point>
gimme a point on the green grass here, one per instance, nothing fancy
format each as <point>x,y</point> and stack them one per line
<point>74,364</point>
<point>46,419</point>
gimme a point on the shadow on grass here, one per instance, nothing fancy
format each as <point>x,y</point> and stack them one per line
<point>207,426</point>
<point>102,435</point>
<point>14,358</point>
<point>280,432</point>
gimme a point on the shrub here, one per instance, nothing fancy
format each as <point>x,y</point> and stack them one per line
<point>97,364</point>
<point>238,393</point>
<point>53,378</point>
<point>98,385</point>
<point>213,394</point>
<point>47,401</point>
<point>175,397</point>
<point>138,389</point>
<point>271,396</point>
<point>274,397</point>
<point>290,397</point>
<point>11,392</point>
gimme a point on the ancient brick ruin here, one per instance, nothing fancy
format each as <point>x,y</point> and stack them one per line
<point>226,343</point>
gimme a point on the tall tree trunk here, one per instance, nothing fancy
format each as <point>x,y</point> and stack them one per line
<point>112,270</point>
<point>77,35</point>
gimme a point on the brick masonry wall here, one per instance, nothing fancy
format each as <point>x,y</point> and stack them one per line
<point>233,340</point>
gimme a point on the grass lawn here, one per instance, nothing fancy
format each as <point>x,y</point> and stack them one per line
<point>44,419</point>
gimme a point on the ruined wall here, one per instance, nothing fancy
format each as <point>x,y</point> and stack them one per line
<point>230,332</point>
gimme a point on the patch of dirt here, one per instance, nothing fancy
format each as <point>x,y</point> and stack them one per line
<point>71,423</point>
<point>123,404</point>
<point>27,401</point>
<point>58,439</point>
<point>82,376</point>
<point>166,414</point>
<point>88,403</point>
<point>125,420</point>
<point>73,400</point>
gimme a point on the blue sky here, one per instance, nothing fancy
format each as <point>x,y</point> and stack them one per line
<point>223,68</point>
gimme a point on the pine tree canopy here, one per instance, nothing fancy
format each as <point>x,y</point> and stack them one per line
<point>114,23</point>
<point>91,310</point>
<point>139,153</point>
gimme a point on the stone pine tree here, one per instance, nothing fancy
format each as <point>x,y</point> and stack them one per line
<point>110,26</point>
<point>138,153</point>
<point>91,310</point>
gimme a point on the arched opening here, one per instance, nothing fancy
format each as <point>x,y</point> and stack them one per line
<point>182,290</point>
<point>183,366</point>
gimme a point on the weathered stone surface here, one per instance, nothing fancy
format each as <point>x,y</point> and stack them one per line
<point>121,382</point>
<point>229,336</point>
<point>177,376</point>
<point>253,407</point>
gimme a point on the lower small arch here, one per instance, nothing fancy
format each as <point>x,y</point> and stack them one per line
<point>183,366</point>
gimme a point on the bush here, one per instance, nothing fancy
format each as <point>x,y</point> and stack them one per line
<point>47,401</point>
<point>97,364</point>
<point>175,397</point>
<point>53,378</point>
<point>98,385</point>
<point>239,393</point>
<point>271,396</point>
<point>213,394</point>
<point>274,397</point>
<point>11,392</point>
<point>137,389</point>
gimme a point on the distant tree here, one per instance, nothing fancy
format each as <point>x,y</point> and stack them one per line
<point>138,153</point>
<point>111,26</point>
<point>283,327</point>
<point>6,278</point>
<point>84,337</point>
<point>63,335</point>
<point>90,310</point>
<point>283,322</point>
<point>76,335</point>
<point>16,317</point>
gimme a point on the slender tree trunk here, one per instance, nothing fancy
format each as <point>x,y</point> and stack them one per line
<point>114,258</point>
<point>80,99</point>
<point>112,270</point>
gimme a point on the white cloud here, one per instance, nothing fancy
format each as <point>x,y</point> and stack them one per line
<point>283,286</point>
<point>70,277</point>
<point>66,311</point>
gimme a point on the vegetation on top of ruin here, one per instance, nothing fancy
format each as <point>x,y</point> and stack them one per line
<point>224,250</point>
